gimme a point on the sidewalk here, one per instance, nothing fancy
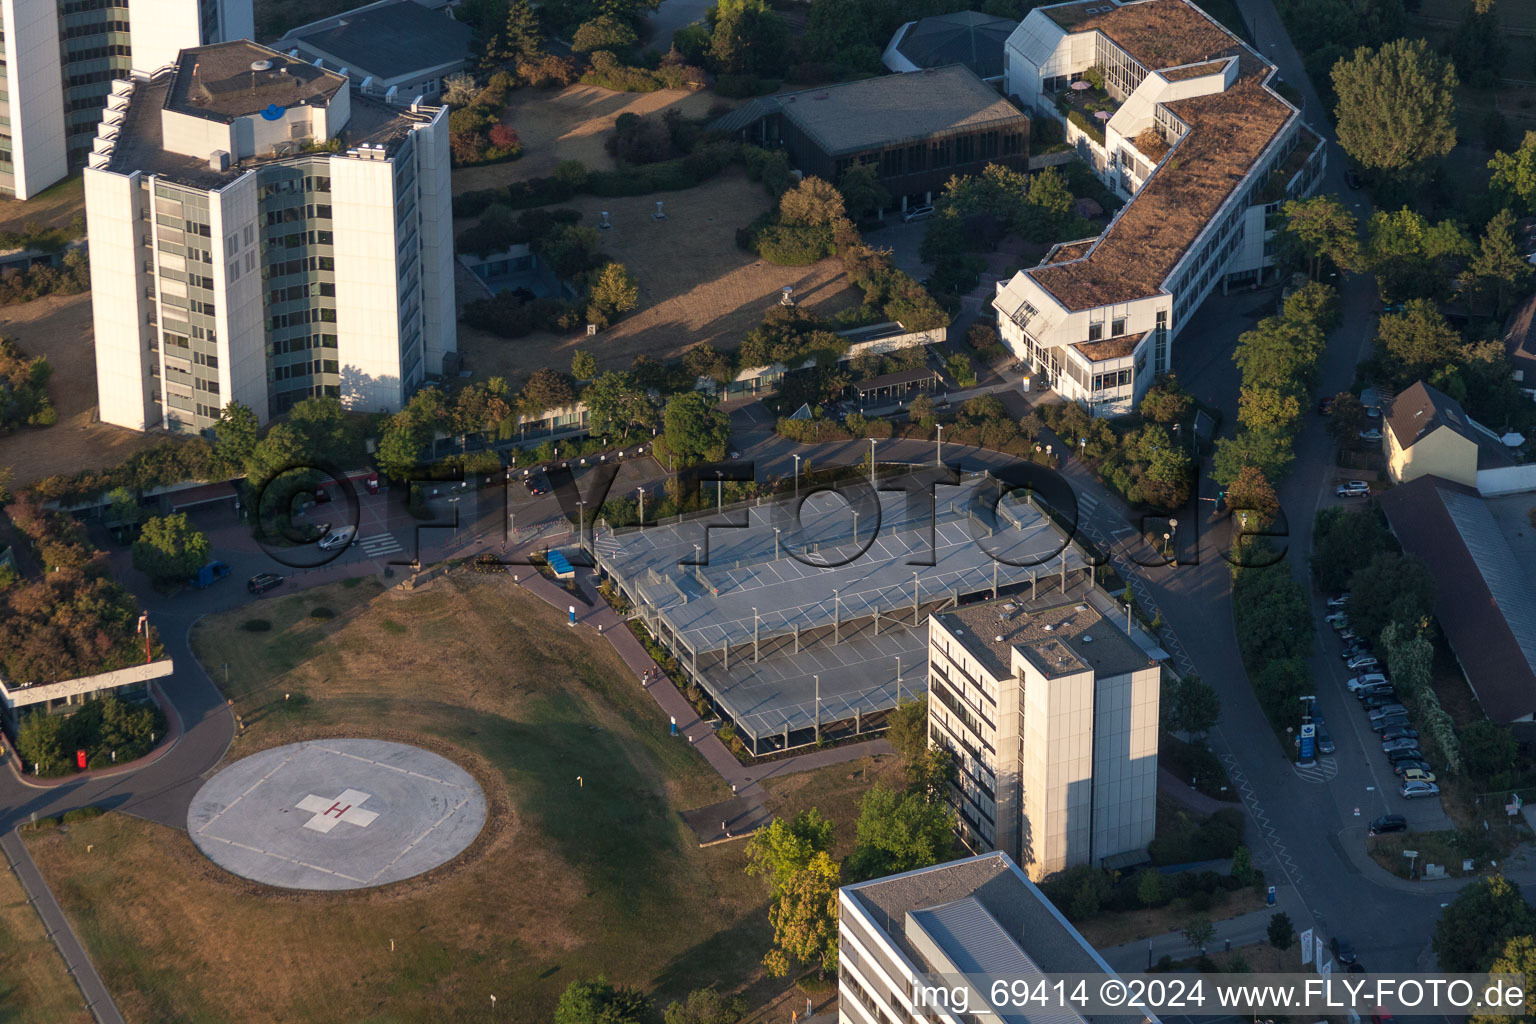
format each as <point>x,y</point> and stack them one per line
<point>743,779</point>
<point>1246,929</point>
<point>97,999</point>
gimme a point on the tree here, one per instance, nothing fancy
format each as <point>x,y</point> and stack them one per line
<point>583,365</point>
<point>1323,228</point>
<point>281,449</point>
<point>1343,542</point>
<point>123,508</point>
<point>605,33</point>
<point>1514,175</point>
<point>1409,656</point>
<point>1478,47</point>
<point>6,475</point>
<point>706,1006</point>
<point>1315,303</point>
<point>521,39</point>
<point>804,920</point>
<point>459,89</point>
<point>1267,408</point>
<point>1165,402</point>
<point>1251,492</point>
<point>930,774</point>
<point>814,203</point>
<point>169,549</point>
<point>747,37</point>
<point>614,292</point>
<point>1487,749</point>
<point>1397,108</point>
<point>1149,887</point>
<point>1411,257</point>
<point>1242,866</point>
<point>907,728</point>
<point>597,1002</point>
<point>1281,932</point>
<point>40,739</point>
<point>1392,588</point>
<point>546,389</point>
<point>1196,706</point>
<point>1475,928</point>
<point>861,190</point>
<point>1198,932</point>
<point>1348,416</point>
<point>920,411</point>
<point>1279,353</point>
<point>235,433</point>
<point>782,848</point>
<point>1517,957</point>
<point>1416,342</point>
<point>899,832</point>
<point>1499,272</point>
<point>695,429</point>
<point>617,403</point>
<point>1268,452</point>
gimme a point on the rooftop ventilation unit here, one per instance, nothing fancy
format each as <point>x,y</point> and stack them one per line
<point>1050,628</point>
<point>218,160</point>
<point>1087,639</point>
<point>261,65</point>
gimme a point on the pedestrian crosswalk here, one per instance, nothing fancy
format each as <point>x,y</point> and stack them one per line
<point>381,544</point>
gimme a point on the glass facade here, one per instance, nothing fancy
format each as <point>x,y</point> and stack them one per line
<point>188,330</point>
<point>298,269</point>
<point>93,51</point>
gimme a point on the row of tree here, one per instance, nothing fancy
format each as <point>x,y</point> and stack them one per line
<point>1278,362</point>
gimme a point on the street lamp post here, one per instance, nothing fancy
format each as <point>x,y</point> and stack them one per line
<point>1173,525</point>
<point>642,504</point>
<point>871,473</point>
<point>938,450</point>
<point>1166,535</point>
<point>855,526</point>
<point>837,615</point>
<point>797,476</point>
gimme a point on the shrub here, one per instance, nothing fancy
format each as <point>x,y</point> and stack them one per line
<point>547,71</point>
<point>321,613</point>
<point>257,626</point>
<point>794,245</point>
<point>82,814</point>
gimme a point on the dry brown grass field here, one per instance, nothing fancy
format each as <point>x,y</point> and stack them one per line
<point>59,327</point>
<point>571,124</point>
<point>34,986</point>
<point>571,882</point>
<point>695,284</point>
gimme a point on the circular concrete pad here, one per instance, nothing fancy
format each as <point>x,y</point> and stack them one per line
<point>336,814</point>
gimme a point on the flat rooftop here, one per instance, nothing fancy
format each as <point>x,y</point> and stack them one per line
<point>997,886</point>
<point>1051,637</point>
<point>139,144</point>
<point>231,80</point>
<point>1228,132</point>
<point>713,604</point>
<point>393,39</point>
<point>856,116</point>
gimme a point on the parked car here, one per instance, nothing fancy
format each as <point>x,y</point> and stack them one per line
<point>263,582</point>
<point>1355,488</point>
<point>210,574</point>
<point>1395,756</point>
<point>1403,744</point>
<point>1388,823</point>
<point>1406,766</point>
<point>1370,434</point>
<point>1410,790</point>
<point>1387,711</point>
<point>1365,681</point>
<point>1325,743</point>
<point>1399,732</point>
<point>917,213</point>
<point>733,454</point>
<point>338,538</point>
<point>1338,620</point>
<point>1338,603</point>
<point>1380,699</point>
<point>1393,307</point>
<point>1378,690</point>
<point>1343,949</point>
<point>1381,725</point>
<point>1418,775</point>
<point>1361,663</point>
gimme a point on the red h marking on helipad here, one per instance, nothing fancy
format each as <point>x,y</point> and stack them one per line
<point>343,809</point>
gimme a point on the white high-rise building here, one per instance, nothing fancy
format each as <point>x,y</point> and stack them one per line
<point>261,232</point>
<point>1051,714</point>
<point>60,59</point>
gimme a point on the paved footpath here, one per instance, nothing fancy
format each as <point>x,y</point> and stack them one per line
<point>97,998</point>
<point>743,779</point>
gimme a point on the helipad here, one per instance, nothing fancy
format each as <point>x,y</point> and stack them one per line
<point>336,814</point>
